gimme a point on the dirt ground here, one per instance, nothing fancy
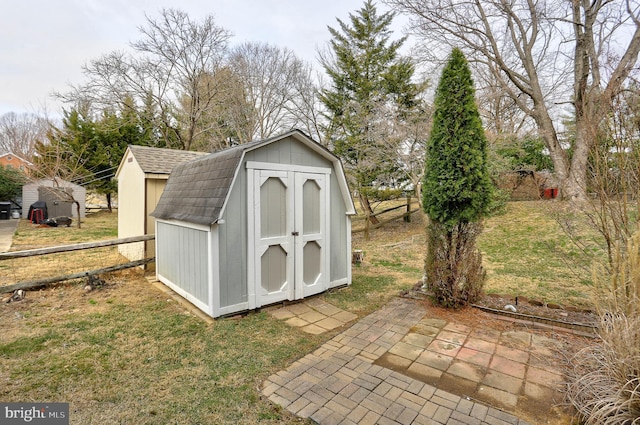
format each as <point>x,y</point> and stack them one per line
<point>567,314</point>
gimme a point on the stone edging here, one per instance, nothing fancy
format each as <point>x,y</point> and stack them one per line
<point>579,328</point>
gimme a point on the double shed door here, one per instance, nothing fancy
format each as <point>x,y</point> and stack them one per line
<point>289,215</point>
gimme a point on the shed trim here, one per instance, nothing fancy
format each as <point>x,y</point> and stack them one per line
<point>157,176</point>
<point>193,300</point>
<point>187,224</point>
<point>214,271</point>
<point>255,165</point>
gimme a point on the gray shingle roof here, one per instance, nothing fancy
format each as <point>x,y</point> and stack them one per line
<point>197,190</point>
<point>159,160</point>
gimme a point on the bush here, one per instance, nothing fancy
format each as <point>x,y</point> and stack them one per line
<point>456,276</point>
<point>604,382</point>
<point>457,192</point>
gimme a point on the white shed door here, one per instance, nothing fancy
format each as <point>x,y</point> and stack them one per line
<point>289,214</point>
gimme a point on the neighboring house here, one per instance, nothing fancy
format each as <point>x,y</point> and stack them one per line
<point>255,224</point>
<point>10,160</point>
<point>50,191</point>
<point>142,175</point>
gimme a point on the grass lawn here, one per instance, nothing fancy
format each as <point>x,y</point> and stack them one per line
<point>127,354</point>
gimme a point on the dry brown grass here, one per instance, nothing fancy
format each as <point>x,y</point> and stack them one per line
<point>98,226</point>
<point>605,381</point>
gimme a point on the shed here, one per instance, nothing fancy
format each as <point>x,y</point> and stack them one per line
<point>525,185</point>
<point>142,175</point>
<point>255,224</point>
<point>53,193</point>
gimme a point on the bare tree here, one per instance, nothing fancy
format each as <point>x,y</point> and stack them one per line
<point>171,63</point>
<point>305,106</point>
<point>413,132</point>
<point>275,83</point>
<point>56,162</point>
<point>502,118</point>
<point>543,54</point>
<point>19,133</point>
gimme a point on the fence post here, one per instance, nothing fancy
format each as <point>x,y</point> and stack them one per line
<point>407,218</point>
<point>366,225</point>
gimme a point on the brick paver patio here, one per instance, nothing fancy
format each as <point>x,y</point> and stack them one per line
<point>398,366</point>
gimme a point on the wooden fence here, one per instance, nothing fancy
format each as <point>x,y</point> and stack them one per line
<point>36,283</point>
<point>406,216</point>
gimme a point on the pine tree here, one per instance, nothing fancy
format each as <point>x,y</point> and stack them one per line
<point>457,189</point>
<point>369,80</point>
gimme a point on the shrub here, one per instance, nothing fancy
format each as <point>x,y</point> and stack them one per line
<point>604,382</point>
<point>457,276</point>
<point>457,190</point>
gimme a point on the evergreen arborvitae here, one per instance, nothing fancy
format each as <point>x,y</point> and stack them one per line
<point>457,190</point>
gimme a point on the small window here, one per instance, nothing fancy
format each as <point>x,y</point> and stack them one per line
<point>9,158</point>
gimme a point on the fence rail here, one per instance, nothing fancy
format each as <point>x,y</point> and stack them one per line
<point>73,247</point>
<point>406,216</point>
<point>36,283</point>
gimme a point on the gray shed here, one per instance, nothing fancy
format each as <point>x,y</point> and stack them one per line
<point>50,191</point>
<point>255,224</point>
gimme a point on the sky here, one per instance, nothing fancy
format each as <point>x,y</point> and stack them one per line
<point>45,43</point>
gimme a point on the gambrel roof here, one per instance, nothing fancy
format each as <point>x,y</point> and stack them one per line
<point>196,191</point>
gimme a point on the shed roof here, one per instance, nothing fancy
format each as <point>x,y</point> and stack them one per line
<point>55,183</point>
<point>160,160</point>
<point>197,190</point>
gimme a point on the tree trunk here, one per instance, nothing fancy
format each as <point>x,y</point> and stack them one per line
<point>366,207</point>
<point>109,206</point>
<point>575,186</point>
<point>417,184</point>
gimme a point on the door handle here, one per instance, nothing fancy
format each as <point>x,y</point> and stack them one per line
<point>295,233</point>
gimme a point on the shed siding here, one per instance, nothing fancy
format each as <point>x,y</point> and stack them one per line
<point>233,233</point>
<point>203,255</point>
<point>233,246</point>
<point>131,208</point>
<point>340,260</point>
<point>29,196</point>
<point>287,151</point>
<point>182,259</point>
